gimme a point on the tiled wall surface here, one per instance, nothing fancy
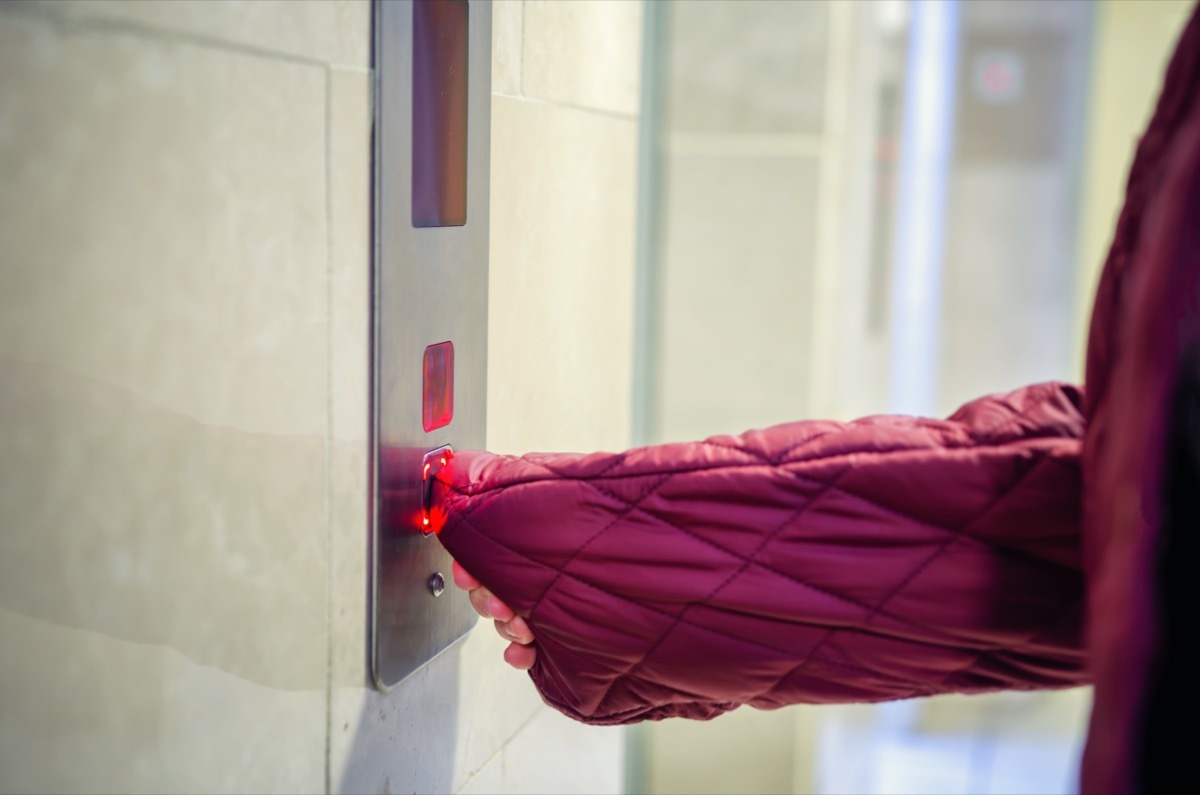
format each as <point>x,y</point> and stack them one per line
<point>743,134</point>
<point>564,174</point>
<point>184,221</point>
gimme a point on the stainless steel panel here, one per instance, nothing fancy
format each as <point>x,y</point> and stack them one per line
<point>430,286</point>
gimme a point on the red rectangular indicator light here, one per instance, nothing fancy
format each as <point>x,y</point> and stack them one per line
<point>437,386</point>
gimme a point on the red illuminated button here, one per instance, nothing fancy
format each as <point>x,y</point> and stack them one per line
<point>437,386</point>
<point>432,517</point>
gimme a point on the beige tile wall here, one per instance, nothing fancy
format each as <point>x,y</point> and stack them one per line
<point>561,307</point>
<point>744,135</point>
<point>579,54</point>
<point>164,332</point>
<point>748,322</point>
<point>325,32</point>
<point>184,220</point>
<point>560,323</point>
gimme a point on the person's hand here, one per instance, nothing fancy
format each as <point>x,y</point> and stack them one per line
<point>520,653</point>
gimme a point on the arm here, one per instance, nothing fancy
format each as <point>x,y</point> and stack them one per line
<point>810,562</point>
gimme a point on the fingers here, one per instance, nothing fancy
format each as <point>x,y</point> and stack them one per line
<point>484,602</point>
<point>489,606</point>
<point>520,654</point>
<point>463,579</point>
<point>520,657</point>
<point>515,630</point>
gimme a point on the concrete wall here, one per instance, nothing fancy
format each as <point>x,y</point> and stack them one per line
<point>184,221</point>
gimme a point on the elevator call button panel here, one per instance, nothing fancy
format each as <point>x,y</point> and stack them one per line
<point>429,307</point>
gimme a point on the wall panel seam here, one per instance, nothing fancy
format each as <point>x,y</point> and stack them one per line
<point>329,430</point>
<point>609,114</point>
<point>74,26</point>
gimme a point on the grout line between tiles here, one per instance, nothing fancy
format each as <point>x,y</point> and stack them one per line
<point>521,50</point>
<point>553,103</point>
<point>72,25</point>
<point>329,430</point>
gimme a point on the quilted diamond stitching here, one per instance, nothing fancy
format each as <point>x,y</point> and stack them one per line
<point>878,609</point>
<point>735,449</point>
<point>630,507</point>
<point>831,486</point>
<point>1040,452</point>
<point>1040,458</point>
<point>786,575</point>
<point>621,597</point>
<point>745,563</point>
<point>919,688</point>
<point>960,533</point>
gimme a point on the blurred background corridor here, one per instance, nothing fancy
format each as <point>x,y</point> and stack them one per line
<point>705,216</point>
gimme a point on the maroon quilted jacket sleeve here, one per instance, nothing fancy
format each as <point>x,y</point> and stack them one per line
<point>810,562</point>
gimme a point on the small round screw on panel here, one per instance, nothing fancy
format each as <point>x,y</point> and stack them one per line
<point>437,584</point>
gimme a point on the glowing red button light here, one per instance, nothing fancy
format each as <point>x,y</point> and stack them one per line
<point>437,387</point>
<point>433,517</point>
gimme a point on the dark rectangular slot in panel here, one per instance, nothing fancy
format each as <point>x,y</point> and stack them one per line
<point>439,113</point>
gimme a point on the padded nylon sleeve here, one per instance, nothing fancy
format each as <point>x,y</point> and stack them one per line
<point>809,562</point>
